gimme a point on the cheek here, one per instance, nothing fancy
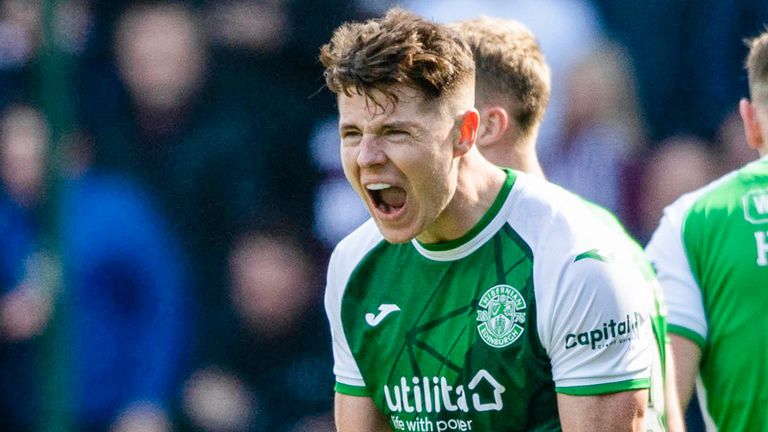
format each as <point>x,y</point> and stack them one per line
<point>432,188</point>
<point>350,167</point>
<point>349,159</point>
<point>442,181</point>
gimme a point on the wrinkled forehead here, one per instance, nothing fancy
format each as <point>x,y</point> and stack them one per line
<point>400,103</point>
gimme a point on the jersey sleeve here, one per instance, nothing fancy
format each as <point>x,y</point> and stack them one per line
<point>600,338</point>
<point>348,378</point>
<point>685,307</point>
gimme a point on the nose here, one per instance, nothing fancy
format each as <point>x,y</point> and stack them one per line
<point>370,153</point>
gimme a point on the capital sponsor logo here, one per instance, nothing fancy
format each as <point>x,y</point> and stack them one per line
<point>609,333</point>
<point>501,314</point>
<point>433,395</point>
<point>755,204</point>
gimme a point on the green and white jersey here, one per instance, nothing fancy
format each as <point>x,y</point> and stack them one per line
<point>480,333</point>
<point>711,254</point>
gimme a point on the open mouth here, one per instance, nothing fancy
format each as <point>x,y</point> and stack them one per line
<point>388,199</point>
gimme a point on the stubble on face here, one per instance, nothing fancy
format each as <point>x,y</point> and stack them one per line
<point>399,159</point>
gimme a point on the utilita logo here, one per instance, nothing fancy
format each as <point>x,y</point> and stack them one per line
<point>433,394</point>
<point>610,333</point>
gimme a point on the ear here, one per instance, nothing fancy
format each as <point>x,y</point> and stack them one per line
<point>751,124</point>
<point>494,122</point>
<point>468,124</point>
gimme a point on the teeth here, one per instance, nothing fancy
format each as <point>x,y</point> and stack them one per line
<point>378,186</point>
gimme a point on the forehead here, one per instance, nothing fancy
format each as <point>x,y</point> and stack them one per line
<point>376,107</point>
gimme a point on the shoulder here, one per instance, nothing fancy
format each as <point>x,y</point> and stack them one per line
<point>668,236</point>
<point>354,247</point>
<point>346,257</point>
<point>558,224</point>
<point>348,254</point>
<point>713,195</point>
<point>577,254</point>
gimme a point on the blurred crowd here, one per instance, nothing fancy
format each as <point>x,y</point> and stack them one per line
<point>170,186</point>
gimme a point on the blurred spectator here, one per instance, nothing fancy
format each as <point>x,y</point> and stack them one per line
<point>196,148</point>
<point>601,128</point>
<point>25,303</point>
<point>21,37</point>
<point>20,34</point>
<point>267,51</point>
<point>276,374</point>
<point>161,58</point>
<point>24,138</point>
<point>259,26</point>
<point>124,286</point>
<point>678,165</point>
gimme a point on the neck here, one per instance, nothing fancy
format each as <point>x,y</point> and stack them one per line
<point>518,156</point>
<point>478,185</point>
<point>523,160</point>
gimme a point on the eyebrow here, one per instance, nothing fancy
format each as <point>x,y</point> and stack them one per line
<point>343,126</point>
<point>404,124</point>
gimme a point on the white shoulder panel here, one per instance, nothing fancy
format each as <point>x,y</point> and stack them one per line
<point>667,253</point>
<point>348,253</point>
<point>593,304</point>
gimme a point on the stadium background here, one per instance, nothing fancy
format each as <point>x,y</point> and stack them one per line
<point>170,186</point>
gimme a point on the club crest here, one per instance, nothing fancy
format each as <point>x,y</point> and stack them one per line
<point>501,316</point>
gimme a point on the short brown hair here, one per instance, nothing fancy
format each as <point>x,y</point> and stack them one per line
<point>400,48</point>
<point>757,67</point>
<point>510,67</point>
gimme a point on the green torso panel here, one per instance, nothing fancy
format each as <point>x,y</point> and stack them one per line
<point>429,357</point>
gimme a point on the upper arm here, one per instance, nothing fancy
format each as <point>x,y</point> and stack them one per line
<point>623,411</point>
<point>672,402</point>
<point>348,377</point>
<point>602,346</point>
<point>601,339</point>
<point>682,294</point>
<point>686,356</point>
<point>358,414</point>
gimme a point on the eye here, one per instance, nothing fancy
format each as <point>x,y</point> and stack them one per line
<point>397,134</point>
<point>350,136</point>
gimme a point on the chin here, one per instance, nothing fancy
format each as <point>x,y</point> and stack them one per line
<point>395,235</point>
<point>398,240</point>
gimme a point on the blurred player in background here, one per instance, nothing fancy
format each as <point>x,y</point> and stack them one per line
<point>477,298</point>
<point>711,253</point>
<point>511,92</point>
